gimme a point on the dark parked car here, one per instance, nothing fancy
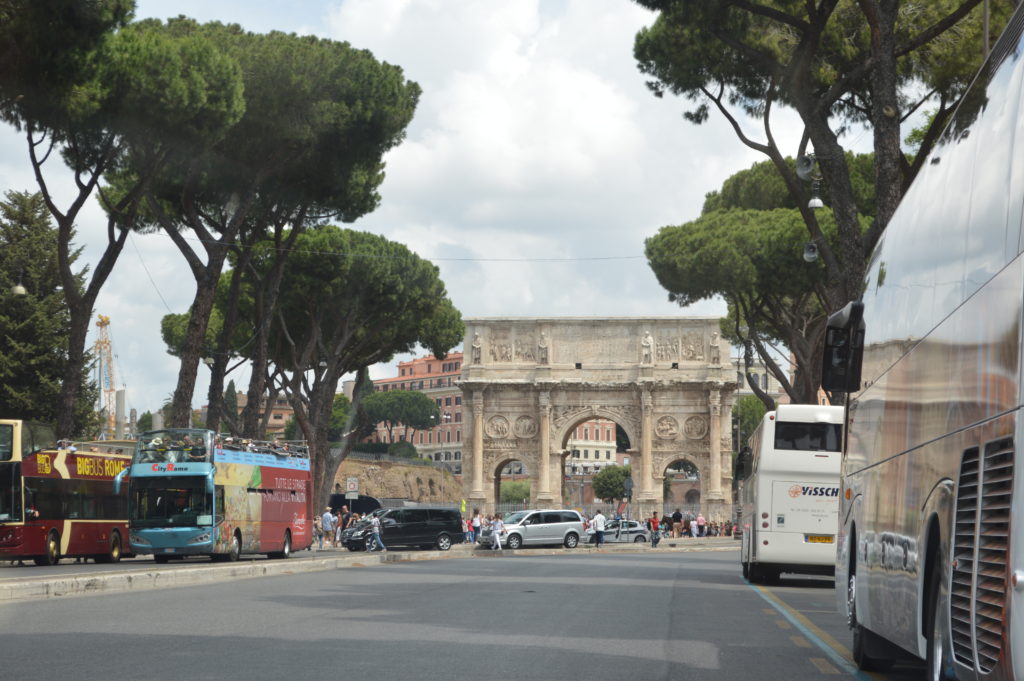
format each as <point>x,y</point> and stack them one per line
<point>426,528</point>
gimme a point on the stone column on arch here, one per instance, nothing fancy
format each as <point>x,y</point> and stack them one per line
<point>544,495</point>
<point>646,448</point>
<point>715,438</point>
<point>477,492</point>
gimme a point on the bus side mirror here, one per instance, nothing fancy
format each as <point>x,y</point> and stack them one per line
<point>118,479</point>
<point>844,349</point>
<point>210,486</point>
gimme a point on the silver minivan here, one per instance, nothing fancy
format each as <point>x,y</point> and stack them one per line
<point>539,528</point>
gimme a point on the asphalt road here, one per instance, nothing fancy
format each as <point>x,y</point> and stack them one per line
<point>583,616</point>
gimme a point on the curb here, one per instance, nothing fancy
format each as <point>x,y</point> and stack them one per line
<point>141,580</point>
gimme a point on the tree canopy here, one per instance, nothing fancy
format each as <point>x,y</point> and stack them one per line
<point>401,409</point>
<point>838,65</point>
<point>318,117</point>
<point>33,326</point>
<point>609,483</point>
<point>747,248</point>
<point>349,300</point>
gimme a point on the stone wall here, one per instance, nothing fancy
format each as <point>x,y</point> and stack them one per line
<point>388,480</point>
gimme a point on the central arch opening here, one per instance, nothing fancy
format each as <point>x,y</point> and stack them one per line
<point>591,446</point>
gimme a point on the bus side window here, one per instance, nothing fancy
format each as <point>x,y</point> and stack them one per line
<point>219,504</point>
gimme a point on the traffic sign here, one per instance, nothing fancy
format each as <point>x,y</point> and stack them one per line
<point>351,485</point>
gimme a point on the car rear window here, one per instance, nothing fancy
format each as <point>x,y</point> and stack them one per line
<point>570,517</point>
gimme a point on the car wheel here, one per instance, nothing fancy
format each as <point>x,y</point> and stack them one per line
<point>640,539</point>
<point>444,542</point>
<point>571,540</point>
<point>514,541</point>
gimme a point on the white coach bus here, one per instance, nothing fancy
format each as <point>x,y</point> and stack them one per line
<point>930,560</point>
<point>789,499</point>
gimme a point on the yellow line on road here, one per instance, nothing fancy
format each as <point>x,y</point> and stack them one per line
<point>800,641</point>
<point>824,637</point>
<point>823,665</point>
<point>783,624</point>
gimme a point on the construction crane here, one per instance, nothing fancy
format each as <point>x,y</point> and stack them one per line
<point>105,377</point>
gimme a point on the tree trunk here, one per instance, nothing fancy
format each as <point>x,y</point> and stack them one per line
<point>195,338</point>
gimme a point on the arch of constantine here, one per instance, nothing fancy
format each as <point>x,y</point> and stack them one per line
<point>528,382</point>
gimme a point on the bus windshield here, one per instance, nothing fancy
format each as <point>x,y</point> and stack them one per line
<point>10,492</point>
<point>177,501</point>
<point>179,445</point>
<point>808,437</point>
<point>6,442</point>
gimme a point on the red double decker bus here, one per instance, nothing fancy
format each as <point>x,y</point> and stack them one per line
<point>60,501</point>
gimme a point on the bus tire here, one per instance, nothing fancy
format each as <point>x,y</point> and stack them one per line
<point>938,657</point>
<point>286,550</point>
<point>161,560</point>
<point>235,552</point>
<point>746,569</point>
<point>863,638</point>
<point>52,555</point>
<point>113,554</point>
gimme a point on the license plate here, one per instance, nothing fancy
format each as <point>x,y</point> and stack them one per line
<point>819,539</point>
<point>168,550</point>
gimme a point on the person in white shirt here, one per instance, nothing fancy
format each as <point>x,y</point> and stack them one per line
<point>375,535</point>
<point>598,522</point>
<point>497,529</point>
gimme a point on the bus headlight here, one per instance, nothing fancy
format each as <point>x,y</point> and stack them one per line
<point>136,539</point>
<point>203,538</point>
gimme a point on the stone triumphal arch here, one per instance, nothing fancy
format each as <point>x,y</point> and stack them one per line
<point>528,382</point>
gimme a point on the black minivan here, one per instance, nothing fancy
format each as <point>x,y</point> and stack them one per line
<point>426,528</point>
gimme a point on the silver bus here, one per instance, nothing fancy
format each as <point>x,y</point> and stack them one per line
<point>929,563</point>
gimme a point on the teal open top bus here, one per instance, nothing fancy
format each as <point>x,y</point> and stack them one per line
<point>192,492</point>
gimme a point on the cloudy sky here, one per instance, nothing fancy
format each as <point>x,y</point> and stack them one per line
<point>535,167</point>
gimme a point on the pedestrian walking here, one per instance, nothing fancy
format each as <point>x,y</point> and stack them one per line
<point>375,531</point>
<point>344,518</point>
<point>318,533</point>
<point>477,524</point>
<point>677,523</point>
<point>497,529</point>
<point>652,525</point>
<point>327,524</point>
<point>598,521</point>
<point>702,525</point>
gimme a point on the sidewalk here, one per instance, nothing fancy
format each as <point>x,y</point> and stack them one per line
<point>158,577</point>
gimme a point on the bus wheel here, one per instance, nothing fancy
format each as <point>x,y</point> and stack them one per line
<point>113,555</point>
<point>236,549</point>
<point>52,555</point>
<point>938,655</point>
<point>862,638</point>
<point>162,560</point>
<point>286,550</point>
<point>746,570</point>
